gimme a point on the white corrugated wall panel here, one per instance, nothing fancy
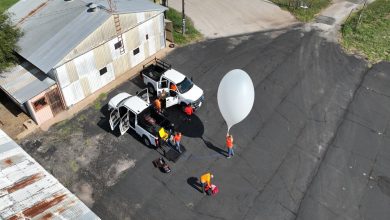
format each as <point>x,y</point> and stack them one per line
<point>109,76</point>
<point>85,64</point>
<point>138,58</point>
<point>162,31</point>
<point>144,29</point>
<point>62,76</point>
<point>161,25</point>
<point>102,56</point>
<point>122,64</point>
<point>132,40</point>
<point>152,45</point>
<point>140,17</point>
<point>128,21</point>
<point>73,93</point>
<point>94,82</point>
<point>115,53</point>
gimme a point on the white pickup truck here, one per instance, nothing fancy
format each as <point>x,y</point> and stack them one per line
<point>160,76</point>
<point>135,112</point>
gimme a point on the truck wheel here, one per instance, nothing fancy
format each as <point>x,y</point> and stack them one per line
<point>151,90</point>
<point>146,141</point>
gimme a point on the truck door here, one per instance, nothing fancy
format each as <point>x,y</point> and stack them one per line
<point>172,99</point>
<point>124,124</point>
<point>144,95</point>
<point>132,119</point>
<point>114,119</point>
<point>162,85</point>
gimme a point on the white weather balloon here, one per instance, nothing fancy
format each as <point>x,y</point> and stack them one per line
<point>236,95</point>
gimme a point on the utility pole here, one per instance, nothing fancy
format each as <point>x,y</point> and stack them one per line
<point>165,4</point>
<point>183,18</point>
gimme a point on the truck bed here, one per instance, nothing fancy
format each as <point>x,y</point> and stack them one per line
<point>152,122</point>
<point>156,69</point>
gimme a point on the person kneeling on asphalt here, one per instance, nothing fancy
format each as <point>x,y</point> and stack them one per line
<point>205,180</point>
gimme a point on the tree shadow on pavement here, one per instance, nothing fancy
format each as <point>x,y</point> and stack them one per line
<point>194,183</point>
<point>213,147</point>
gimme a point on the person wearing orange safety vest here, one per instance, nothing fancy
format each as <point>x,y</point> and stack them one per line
<point>157,105</point>
<point>177,139</point>
<point>229,145</point>
<point>173,87</point>
<point>188,110</point>
<point>205,180</point>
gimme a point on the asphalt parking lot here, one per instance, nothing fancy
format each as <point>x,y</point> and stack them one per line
<point>306,91</point>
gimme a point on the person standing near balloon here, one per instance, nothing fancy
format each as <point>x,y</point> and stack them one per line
<point>236,95</point>
<point>229,145</point>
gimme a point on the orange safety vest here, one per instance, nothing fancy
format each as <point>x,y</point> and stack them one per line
<point>173,87</point>
<point>188,110</point>
<point>157,104</point>
<point>177,137</point>
<point>206,178</point>
<point>229,142</point>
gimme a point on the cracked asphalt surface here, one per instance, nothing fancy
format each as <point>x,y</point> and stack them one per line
<point>313,146</point>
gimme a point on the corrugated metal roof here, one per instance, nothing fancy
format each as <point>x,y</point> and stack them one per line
<point>53,28</point>
<point>24,82</point>
<point>132,6</point>
<point>28,191</point>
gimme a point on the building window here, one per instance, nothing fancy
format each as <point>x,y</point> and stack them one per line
<point>103,70</point>
<point>136,51</point>
<point>39,104</point>
<point>147,36</point>
<point>118,45</point>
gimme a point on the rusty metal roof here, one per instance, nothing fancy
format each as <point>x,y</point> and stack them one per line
<point>28,191</point>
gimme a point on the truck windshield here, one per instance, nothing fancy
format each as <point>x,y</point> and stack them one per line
<point>185,85</point>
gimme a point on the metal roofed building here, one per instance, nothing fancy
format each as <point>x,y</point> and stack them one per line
<point>28,86</point>
<point>81,46</point>
<point>28,191</point>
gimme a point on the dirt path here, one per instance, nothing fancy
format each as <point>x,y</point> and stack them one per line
<point>11,117</point>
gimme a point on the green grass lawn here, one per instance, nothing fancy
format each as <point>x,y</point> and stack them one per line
<point>302,14</point>
<point>370,36</point>
<point>191,35</point>
<point>5,4</point>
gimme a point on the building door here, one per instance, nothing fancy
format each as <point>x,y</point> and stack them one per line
<point>55,101</point>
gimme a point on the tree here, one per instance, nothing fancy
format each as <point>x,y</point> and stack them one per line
<point>9,36</point>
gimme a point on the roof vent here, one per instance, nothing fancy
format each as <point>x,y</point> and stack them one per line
<point>68,0</point>
<point>92,7</point>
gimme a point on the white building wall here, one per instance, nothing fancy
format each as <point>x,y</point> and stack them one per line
<point>73,93</point>
<point>80,76</point>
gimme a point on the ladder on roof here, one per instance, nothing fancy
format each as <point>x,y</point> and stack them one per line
<point>119,33</point>
<point>118,27</point>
